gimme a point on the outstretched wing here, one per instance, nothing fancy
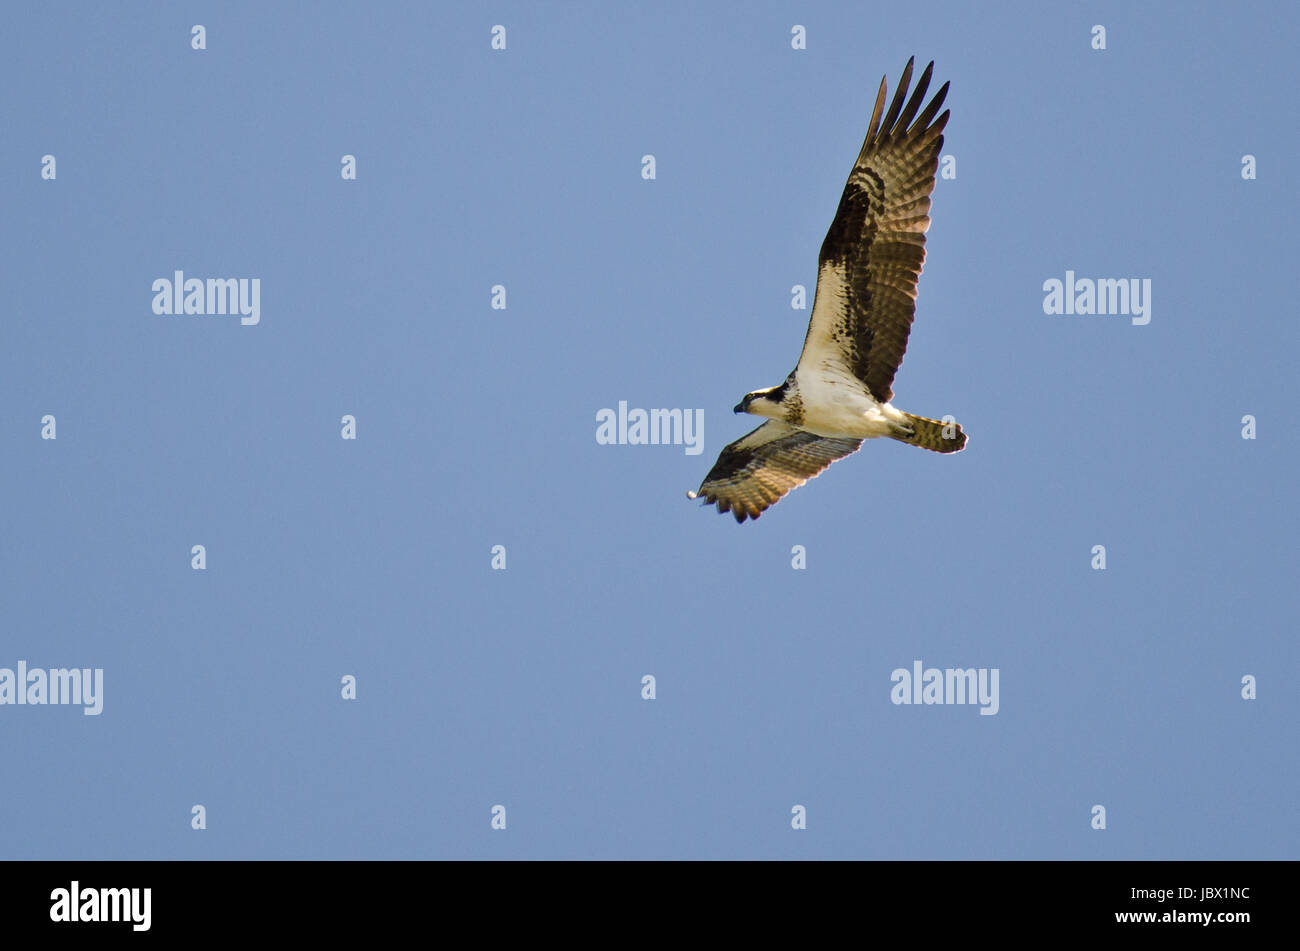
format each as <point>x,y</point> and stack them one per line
<point>873,254</point>
<point>760,468</point>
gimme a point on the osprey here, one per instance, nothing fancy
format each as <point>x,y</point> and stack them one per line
<point>839,393</point>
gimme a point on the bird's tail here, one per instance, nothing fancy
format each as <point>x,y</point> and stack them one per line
<point>932,434</point>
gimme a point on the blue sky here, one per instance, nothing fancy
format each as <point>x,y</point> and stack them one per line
<point>476,427</point>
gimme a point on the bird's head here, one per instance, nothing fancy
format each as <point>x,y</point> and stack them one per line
<point>762,403</point>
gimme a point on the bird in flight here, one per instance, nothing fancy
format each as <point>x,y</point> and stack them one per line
<point>839,392</point>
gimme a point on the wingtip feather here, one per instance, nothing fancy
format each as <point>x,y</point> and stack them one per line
<point>877,111</point>
<point>896,104</point>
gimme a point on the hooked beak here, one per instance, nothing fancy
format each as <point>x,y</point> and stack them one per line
<point>741,406</point>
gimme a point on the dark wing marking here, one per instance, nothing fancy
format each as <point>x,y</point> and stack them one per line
<point>758,469</point>
<point>875,249</point>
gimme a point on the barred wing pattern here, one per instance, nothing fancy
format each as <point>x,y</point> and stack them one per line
<point>873,253</point>
<point>760,468</point>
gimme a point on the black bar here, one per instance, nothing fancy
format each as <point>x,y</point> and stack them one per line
<point>922,900</point>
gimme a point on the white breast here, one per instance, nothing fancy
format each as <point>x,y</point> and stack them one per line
<point>838,404</point>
